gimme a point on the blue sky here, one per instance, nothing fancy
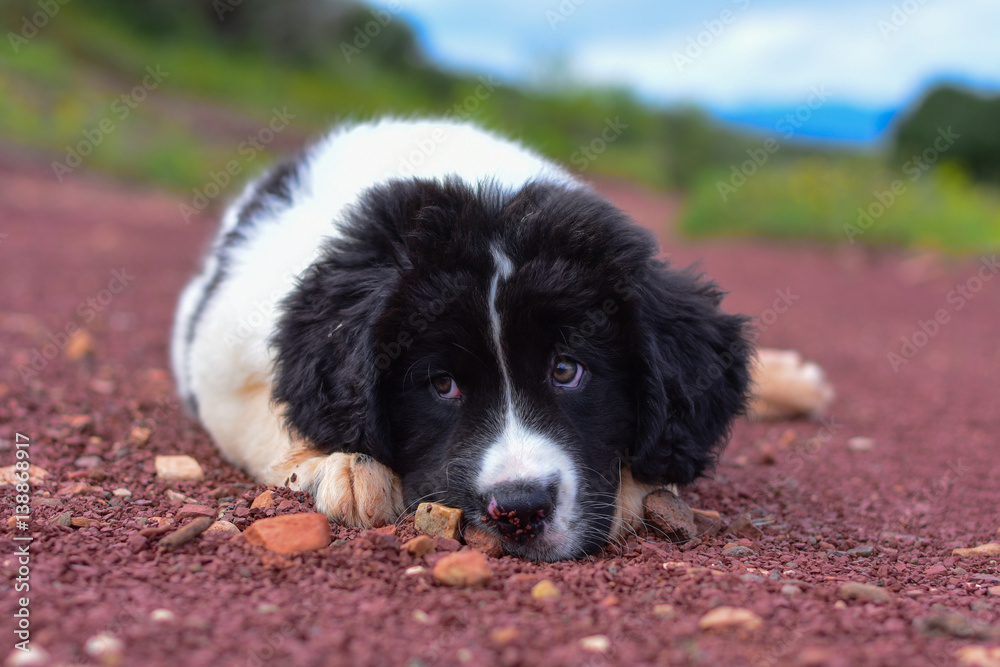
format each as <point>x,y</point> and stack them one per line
<point>746,61</point>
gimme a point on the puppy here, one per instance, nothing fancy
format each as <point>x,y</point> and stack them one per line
<point>421,310</point>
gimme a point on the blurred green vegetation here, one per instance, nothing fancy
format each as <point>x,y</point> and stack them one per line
<point>850,200</point>
<point>71,78</point>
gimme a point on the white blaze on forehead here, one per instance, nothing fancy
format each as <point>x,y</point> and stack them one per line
<point>504,269</point>
<point>521,454</point>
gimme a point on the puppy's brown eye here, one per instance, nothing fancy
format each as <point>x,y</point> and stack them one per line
<point>446,387</point>
<point>566,372</point>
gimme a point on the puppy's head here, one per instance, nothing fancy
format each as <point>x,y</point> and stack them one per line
<point>513,355</point>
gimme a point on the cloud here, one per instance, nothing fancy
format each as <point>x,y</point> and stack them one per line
<point>764,52</point>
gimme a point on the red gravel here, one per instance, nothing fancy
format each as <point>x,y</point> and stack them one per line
<point>930,483</point>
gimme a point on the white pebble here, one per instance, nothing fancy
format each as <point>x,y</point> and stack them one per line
<point>162,615</point>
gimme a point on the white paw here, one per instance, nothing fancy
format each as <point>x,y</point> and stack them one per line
<point>352,489</point>
<point>786,386</point>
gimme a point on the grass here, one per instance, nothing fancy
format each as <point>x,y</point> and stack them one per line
<point>67,81</point>
<point>849,200</point>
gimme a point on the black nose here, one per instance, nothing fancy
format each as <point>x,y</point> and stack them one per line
<point>519,510</point>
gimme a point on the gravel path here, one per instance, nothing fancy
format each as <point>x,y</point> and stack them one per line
<point>903,471</point>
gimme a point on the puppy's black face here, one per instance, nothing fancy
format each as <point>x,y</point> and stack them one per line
<point>512,354</point>
<point>515,403</point>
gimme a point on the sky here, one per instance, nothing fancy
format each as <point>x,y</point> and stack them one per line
<point>745,61</point>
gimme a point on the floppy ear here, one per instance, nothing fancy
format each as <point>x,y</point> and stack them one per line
<point>693,374</point>
<point>329,371</point>
<point>327,378</point>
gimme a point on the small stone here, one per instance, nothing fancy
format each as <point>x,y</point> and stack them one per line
<point>88,474</point>
<point>421,616</point>
<point>177,498</point>
<point>105,648</point>
<point>766,455</point>
<point>860,443</point>
<point>139,436</point>
<point>993,591</point>
<point>437,519</point>
<point>610,601</point>
<point>669,515</point>
<point>979,656</point>
<point>504,635</point>
<point>743,527</point>
<point>790,590</point>
<point>290,533</point>
<point>79,345</point>
<point>35,656</point>
<point>192,510</point>
<point>136,543</point>
<point>595,644</point>
<point>121,492</point>
<point>188,532</point>
<point>708,523</point>
<point>484,541</point>
<point>89,461</point>
<point>988,549</point>
<point>463,568</point>
<point>664,610</point>
<point>162,615</point>
<point>545,590</point>
<point>79,489</point>
<point>224,527</point>
<point>730,618</point>
<point>840,604</point>
<point>264,500</point>
<point>180,468</point>
<point>863,551</point>
<point>863,592</point>
<point>953,624</point>
<point>415,570</point>
<point>419,546</point>
<point>83,522</point>
<point>734,550</point>
<point>11,475</point>
<point>267,608</point>
<point>64,519</point>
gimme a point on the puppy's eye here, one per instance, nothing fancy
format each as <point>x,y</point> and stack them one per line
<point>446,387</point>
<point>567,372</point>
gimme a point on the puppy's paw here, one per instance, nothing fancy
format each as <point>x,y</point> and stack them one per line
<point>352,489</point>
<point>788,387</point>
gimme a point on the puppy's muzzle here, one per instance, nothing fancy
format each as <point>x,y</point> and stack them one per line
<point>519,511</point>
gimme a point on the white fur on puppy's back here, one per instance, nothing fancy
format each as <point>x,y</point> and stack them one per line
<point>227,367</point>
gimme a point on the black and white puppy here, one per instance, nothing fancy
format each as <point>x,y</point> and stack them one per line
<point>420,310</point>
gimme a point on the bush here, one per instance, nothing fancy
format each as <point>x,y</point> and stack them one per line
<point>976,121</point>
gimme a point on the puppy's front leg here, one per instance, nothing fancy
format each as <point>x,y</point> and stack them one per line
<point>352,489</point>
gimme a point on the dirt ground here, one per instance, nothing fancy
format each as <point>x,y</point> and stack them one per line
<point>826,507</point>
